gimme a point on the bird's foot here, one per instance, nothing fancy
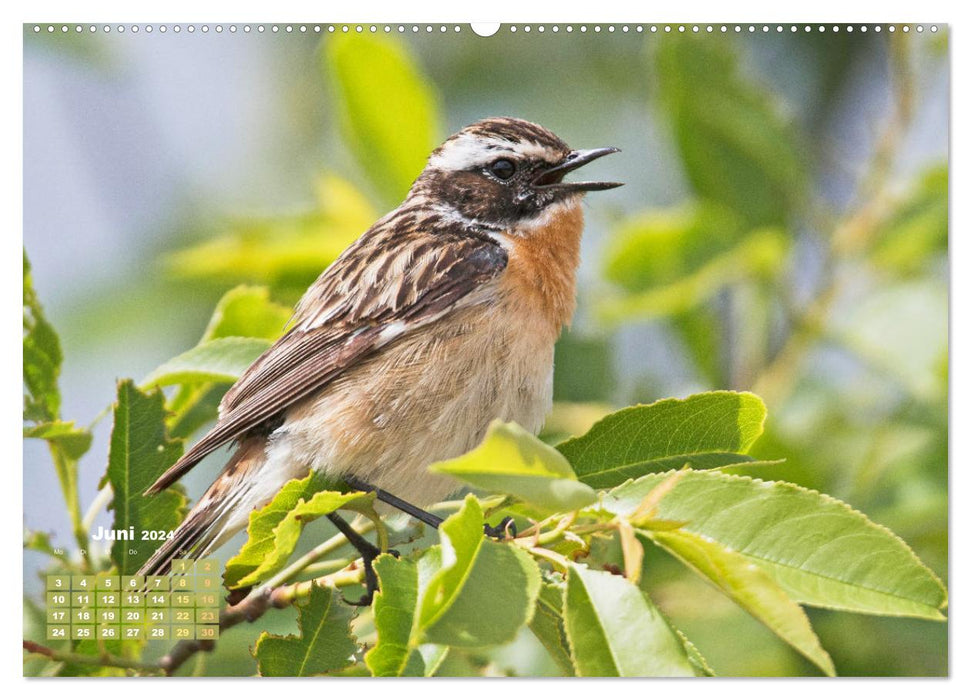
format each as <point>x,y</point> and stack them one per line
<point>370,578</point>
<point>368,554</point>
<point>505,528</point>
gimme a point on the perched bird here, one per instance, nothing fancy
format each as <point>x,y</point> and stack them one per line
<point>440,318</point>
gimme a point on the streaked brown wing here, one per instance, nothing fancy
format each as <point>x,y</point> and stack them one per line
<point>377,291</point>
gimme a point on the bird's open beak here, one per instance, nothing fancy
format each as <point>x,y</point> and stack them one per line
<point>552,179</point>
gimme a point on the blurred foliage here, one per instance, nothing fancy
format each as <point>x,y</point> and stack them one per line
<point>285,251</point>
<point>777,266</point>
<point>389,111</point>
<point>735,146</point>
<point>916,232</point>
<point>659,247</point>
<point>42,358</point>
<point>243,325</point>
<point>42,402</point>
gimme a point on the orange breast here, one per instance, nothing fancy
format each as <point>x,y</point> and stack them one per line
<point>543,261</point>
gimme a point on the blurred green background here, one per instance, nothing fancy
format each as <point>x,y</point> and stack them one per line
<point>783,229</point>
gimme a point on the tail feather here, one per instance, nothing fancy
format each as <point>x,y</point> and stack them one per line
<point>201,449</point>
<point>218,515</point>
<point>194,537</point>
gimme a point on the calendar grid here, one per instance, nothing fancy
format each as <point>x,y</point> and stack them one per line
<point>181,605</point>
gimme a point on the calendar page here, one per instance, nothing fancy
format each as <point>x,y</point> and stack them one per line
<point>521,349</point>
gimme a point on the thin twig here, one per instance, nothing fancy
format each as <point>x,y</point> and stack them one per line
<point>327,566</point>
<point>554,558</point>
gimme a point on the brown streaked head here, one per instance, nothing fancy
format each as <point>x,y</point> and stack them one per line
<point>501,171</point>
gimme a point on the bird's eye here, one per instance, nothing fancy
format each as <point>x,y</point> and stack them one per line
<point>503,168</point>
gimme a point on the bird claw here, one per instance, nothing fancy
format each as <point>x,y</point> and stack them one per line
<point>506,527</point>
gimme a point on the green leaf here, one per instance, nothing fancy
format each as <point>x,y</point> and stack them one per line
<point>63,435</point>
<point>287,533</point>
<point>398,651</point>
<point>377,84</point>
<point>745,583</point>
<point>34,628</point>
<point>243,325</point>
<point>274,529</point>
<point>140,452</point>
<point>818,549</point>
<point>477,575</point>
<point>549,627</point>
<point>736,147</point>
<point>759,254</point>
<point>394,607</point>
<point>247,312</point>
<point>694,656</point>
<point>704,431</point>
<point>512,461</point>
<point>42,358</point>
<point>262,524</point>
<point>615,630</point>
<point>219,360</point>
<point>325,643</point>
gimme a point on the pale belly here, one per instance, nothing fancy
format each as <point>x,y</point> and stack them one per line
<point>424,399</point>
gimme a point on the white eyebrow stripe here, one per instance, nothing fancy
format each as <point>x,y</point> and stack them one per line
<point>468,151</point>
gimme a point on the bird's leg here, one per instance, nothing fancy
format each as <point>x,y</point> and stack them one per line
<point>395,502</point>
<point>498,532</point>
<point>368,554</point>
<point>506,526</point>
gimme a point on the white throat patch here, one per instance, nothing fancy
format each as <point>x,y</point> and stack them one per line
<point>526,226</point>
